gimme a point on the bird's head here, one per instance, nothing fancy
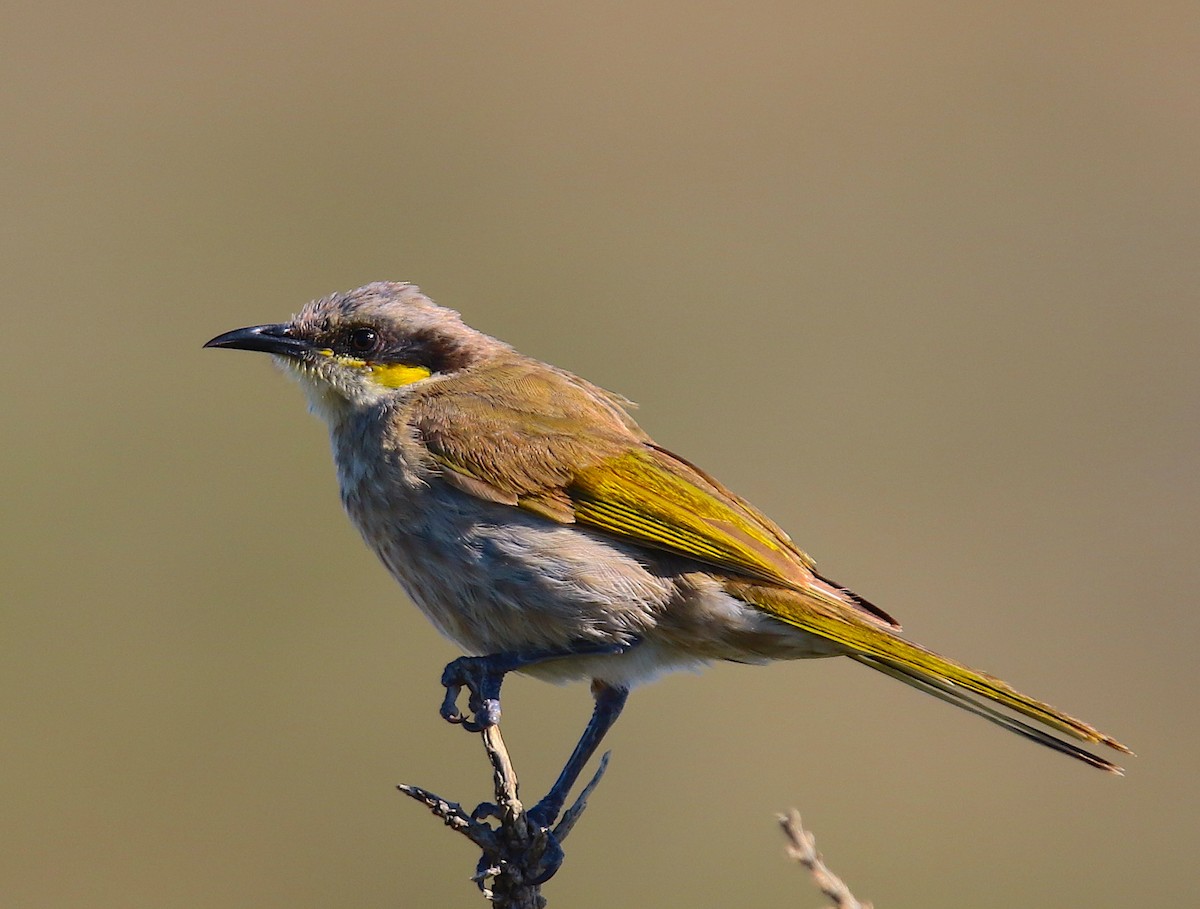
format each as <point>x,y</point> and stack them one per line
<point>354,350</point>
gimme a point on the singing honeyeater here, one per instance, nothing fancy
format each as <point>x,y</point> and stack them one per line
<point>540,529</point>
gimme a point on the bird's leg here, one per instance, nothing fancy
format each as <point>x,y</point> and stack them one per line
<point>483,675</point>
<point>609,702</point>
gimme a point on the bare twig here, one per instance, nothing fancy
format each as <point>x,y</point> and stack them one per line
<point>802,847</point>
<point>518,856</point>
<point>571,815</point>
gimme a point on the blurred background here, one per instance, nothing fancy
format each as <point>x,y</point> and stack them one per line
<point>918,279</point>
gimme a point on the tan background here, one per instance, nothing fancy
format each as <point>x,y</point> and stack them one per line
<point>920,279</point>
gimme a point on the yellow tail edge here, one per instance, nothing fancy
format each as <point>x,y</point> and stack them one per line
<point>947,691</point>
<point>941,677</point>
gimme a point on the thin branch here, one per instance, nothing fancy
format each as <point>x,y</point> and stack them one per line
<point>518,856</point>
<point>802,847</point>
<point>572,814</point>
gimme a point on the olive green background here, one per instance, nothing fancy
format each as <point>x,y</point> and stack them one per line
<point>919,279</point>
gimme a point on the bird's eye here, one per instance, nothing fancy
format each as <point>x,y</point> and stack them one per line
<point>363,340</point>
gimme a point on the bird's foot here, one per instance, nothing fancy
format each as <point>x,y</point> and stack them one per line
<point>545,813</point>
<point>536,856</point>
<point>550,860</point>
<point>485,810</point>
<point>482,677</point>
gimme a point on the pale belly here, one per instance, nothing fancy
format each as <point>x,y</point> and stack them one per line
<point>495,579</point>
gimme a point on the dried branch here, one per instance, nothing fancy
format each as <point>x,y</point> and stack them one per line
<point>802,847</point>
<point>518,856</point>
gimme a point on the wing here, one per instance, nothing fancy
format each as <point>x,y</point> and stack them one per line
<point>660,500</point>
<point>548,442</point>
<point>554,448</point>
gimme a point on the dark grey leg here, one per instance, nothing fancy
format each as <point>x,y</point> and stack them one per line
<point>610,701</point>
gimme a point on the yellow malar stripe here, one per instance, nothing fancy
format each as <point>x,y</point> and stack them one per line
<point>397,375</point>
<point>389,375</point>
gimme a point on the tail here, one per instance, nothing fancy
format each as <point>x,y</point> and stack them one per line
<point>971,690</point>
<point>874,645</point>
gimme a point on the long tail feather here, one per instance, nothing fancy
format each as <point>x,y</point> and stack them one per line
<point>946,691</point>
<point>880,648</point>
<point>971,690</point>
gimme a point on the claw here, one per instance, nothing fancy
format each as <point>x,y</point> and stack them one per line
<point>543,815</point>
<point>449,708</point>
<point>551,860</point>
<point>485,810</point>
<point>481,676</point>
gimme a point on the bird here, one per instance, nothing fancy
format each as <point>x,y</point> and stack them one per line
<point>542,530</point>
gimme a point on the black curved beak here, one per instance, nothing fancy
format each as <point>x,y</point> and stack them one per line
<point>275,339</point>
